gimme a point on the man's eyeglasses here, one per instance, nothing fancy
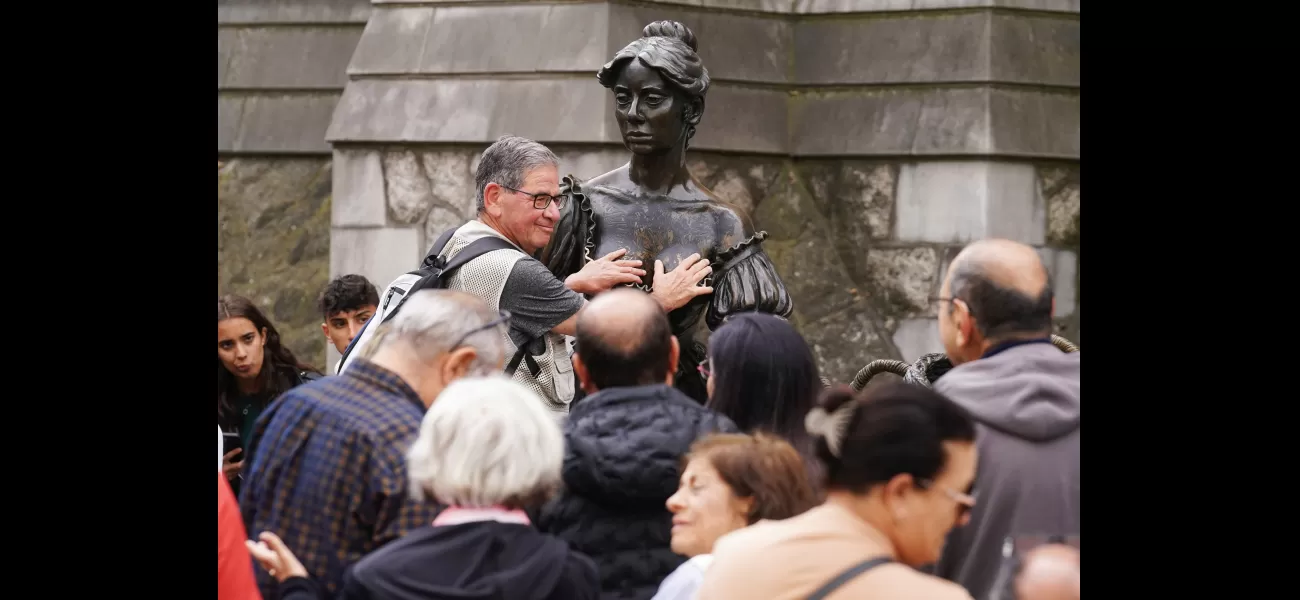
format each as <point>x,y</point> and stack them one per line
<point>502,319</point>
<point>704,369</point>
<point>953,300</point>
<point>540,201</point>
<point>965,502</point>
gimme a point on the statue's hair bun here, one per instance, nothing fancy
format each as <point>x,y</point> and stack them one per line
<point>671,29</point>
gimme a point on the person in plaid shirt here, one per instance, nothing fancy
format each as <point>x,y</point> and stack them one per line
<point>328,466</point>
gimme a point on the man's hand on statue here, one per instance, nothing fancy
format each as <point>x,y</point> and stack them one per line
<point>604,273</point>
<point>679,286</point>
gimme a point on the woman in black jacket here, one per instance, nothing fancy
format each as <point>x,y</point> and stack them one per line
<point>487,449</point>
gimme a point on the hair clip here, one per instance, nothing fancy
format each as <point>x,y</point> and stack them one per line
<point>831,426</point>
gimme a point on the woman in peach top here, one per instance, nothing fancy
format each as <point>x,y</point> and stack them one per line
<point>900,463</point>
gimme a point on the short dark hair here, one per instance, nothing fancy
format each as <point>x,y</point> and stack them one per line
<point>998,310</point>
<point>646,362</point>
<point>346,293</point>
<point>895,428</point>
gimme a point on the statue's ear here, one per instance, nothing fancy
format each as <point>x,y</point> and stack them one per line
<point>694,110</point>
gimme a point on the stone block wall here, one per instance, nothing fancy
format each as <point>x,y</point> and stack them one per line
<point>273,242</point>
<point>281,68</point>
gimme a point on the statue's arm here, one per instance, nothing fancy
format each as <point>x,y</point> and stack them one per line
<point>745,280</point>
<point>573,239</point>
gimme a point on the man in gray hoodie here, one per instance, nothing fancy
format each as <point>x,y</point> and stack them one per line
<point>995,319</point>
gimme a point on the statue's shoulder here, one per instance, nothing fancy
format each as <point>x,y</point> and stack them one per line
<point>603,180</point>
<point>733,223</point>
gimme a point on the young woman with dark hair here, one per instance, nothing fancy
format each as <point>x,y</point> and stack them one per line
<point>761,374</point>
<point>253,368</point>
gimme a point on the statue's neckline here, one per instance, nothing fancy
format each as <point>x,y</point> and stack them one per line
<point>623,194</point>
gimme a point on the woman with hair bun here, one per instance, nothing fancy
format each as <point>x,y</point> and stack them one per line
<point>655,209</point>
<point>900,465</point>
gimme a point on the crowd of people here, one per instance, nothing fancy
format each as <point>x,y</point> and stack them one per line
<point>427,467</point>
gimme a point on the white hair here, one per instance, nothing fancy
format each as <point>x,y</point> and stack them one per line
<point>486,441</point>
<point>432,320</point>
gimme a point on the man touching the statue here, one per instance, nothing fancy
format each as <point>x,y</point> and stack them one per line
<point>517,197</point>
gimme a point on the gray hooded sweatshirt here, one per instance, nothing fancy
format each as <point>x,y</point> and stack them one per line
<point>1025,400</point>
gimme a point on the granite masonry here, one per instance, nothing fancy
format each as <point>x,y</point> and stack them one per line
<point>281,68</point>
<point>870,138</point>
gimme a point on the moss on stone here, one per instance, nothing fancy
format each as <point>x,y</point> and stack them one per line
<point>273,243</point>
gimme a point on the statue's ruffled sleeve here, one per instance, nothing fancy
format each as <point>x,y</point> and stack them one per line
<point>573,240</point>
<point>745,280</point>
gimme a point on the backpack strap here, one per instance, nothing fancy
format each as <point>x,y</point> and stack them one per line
<point>476,249</point>
<point>522,354</point>
<point>434,257</point>
<point>436,268</point>
<point>442,270</point>
<point>431,259</point>
<point>848,575</point>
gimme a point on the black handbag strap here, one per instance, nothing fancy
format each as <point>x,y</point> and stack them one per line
<point>848,575</point>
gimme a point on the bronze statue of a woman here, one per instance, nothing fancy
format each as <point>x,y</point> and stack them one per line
<point>654,208</point>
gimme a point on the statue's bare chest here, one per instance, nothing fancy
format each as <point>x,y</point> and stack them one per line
<point>665,230</point>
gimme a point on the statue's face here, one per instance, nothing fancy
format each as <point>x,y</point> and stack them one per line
<point>649,110</point>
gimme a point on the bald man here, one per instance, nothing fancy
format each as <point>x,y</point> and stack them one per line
<point>1049,572</point>
<point>624,443</point>
<point>995,321</point>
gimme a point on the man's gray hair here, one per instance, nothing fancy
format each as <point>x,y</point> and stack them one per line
<point>432,320</point>
<point>486,442</point>
<point>507,161</point>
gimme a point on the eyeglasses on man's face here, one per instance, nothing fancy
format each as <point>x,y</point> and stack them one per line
<point>953,299</point>
<point>540,201</point>
<point>502,318</point>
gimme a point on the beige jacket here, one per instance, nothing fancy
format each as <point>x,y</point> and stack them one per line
<point>790,559</point>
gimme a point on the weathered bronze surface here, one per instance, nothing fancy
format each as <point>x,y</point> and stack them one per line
<point>654,208</point>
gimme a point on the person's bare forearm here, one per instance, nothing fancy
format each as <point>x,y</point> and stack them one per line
<point>578,283</point>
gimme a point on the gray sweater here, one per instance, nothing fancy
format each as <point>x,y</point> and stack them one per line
<point>1025,399</point>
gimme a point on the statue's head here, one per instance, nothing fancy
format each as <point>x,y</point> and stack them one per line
<point>659,85</point>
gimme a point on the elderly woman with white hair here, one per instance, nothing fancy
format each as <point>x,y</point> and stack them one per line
<point>487,450</point>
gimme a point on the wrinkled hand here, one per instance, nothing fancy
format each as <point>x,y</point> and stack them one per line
<point>604,273</point>
<point>275,557</point>
<point>679,286</point>
<point>229,467</point>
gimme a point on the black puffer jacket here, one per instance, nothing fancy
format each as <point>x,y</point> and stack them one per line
<point>623,449</point>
